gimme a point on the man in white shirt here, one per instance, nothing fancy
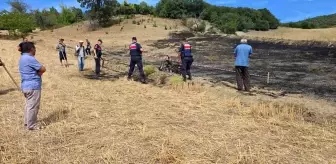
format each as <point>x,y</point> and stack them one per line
<point>80,52</point>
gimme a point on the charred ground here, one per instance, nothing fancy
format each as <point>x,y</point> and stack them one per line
<point>303,67</point>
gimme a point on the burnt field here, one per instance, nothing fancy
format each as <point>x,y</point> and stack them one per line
<point>307,68</point>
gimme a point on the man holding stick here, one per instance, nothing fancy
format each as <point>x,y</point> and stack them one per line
<point>31,81</point>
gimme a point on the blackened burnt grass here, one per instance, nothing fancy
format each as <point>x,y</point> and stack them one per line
<point>307,68</point>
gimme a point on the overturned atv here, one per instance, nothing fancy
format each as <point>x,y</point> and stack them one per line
<point>170,64</point>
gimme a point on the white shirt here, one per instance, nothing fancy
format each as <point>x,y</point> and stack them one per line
<point>81,51</point>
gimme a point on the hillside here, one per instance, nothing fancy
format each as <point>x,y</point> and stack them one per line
<point>113,120</point>
<point>325,21</point>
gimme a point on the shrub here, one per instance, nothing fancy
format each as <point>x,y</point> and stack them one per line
<point>201,27</point>
<point>166,27</point>
<point>175,80</point>
<point>145,26</point>
<point>134,22</point>
<point>149,69</point>
<point>262,25</point>
<point>138,23</point>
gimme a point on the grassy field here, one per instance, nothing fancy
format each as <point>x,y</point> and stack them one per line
<point>119,121</point>
<point>328,34</point>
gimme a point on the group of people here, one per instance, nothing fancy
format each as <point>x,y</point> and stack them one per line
<point>31,70</point>
<point>81,52</point>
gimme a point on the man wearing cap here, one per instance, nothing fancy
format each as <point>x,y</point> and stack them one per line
<point>242,53</point>
<point>136,59</point>
<point>80,52</point>
<point>97,56</point>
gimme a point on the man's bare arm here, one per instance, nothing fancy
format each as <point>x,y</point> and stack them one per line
<point>42,70</point>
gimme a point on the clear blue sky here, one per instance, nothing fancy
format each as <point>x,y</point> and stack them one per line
<point>285,10</point>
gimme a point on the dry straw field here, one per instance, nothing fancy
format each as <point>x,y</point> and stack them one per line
<point>327,34</point>
<point>119,121</point>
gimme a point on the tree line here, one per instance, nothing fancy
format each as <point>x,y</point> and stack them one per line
<point>19,21</point>
<point>104,12</point>
<point>324,21</point>
<point>227,19</point>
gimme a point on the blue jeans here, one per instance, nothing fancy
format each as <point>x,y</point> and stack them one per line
<point>81,63</point>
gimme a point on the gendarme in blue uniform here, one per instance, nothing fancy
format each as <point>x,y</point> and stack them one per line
<point>136,59</point>
<point>135,50</point>
<point>187,60</point>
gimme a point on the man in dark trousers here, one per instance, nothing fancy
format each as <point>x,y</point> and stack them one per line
<point>136,59</point>
<point>186,59</point>
<point>31,82</point>
<point>97,56</point>
<point>88,47</point>
<point>61,52</point>
<point>242,54</point>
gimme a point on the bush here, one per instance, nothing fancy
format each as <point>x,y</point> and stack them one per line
<point>175,80</point>
<point>138,23</point>
<point>149,69</point>
<point>262,25</point>
<point>201,27</point>
<point>134,22</point>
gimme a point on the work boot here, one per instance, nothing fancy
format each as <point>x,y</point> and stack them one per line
<point>129,78</point>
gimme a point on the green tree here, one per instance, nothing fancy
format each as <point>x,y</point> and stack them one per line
<point>101,10</point>
<point>271,19</point>
<point>245,24</point>
<point>262,25</point>
<point>18,6</point>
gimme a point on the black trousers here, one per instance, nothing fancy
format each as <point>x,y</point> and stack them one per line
<point>138,62</point>
<point>186,66</point>
<point>97,60</point>
<point>88,51</point>
<point>243,78</point>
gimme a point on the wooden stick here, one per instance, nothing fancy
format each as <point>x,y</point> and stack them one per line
<point>268,77</point>
<point>17,86</point>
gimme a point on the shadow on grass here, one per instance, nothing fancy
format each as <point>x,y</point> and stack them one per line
<point>3,92</point>
<point>106,76</point>
<point>55,117</point>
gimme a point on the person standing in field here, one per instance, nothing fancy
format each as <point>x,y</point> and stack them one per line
<point>97,56</point>
<point>136,59</point>
<point>31,82</point>
<point>242,54</point>
<point>80,53</point>
<point>61,52</point>
<point>186,59</point>
<point>88,47</point>
<point>25,39</point>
